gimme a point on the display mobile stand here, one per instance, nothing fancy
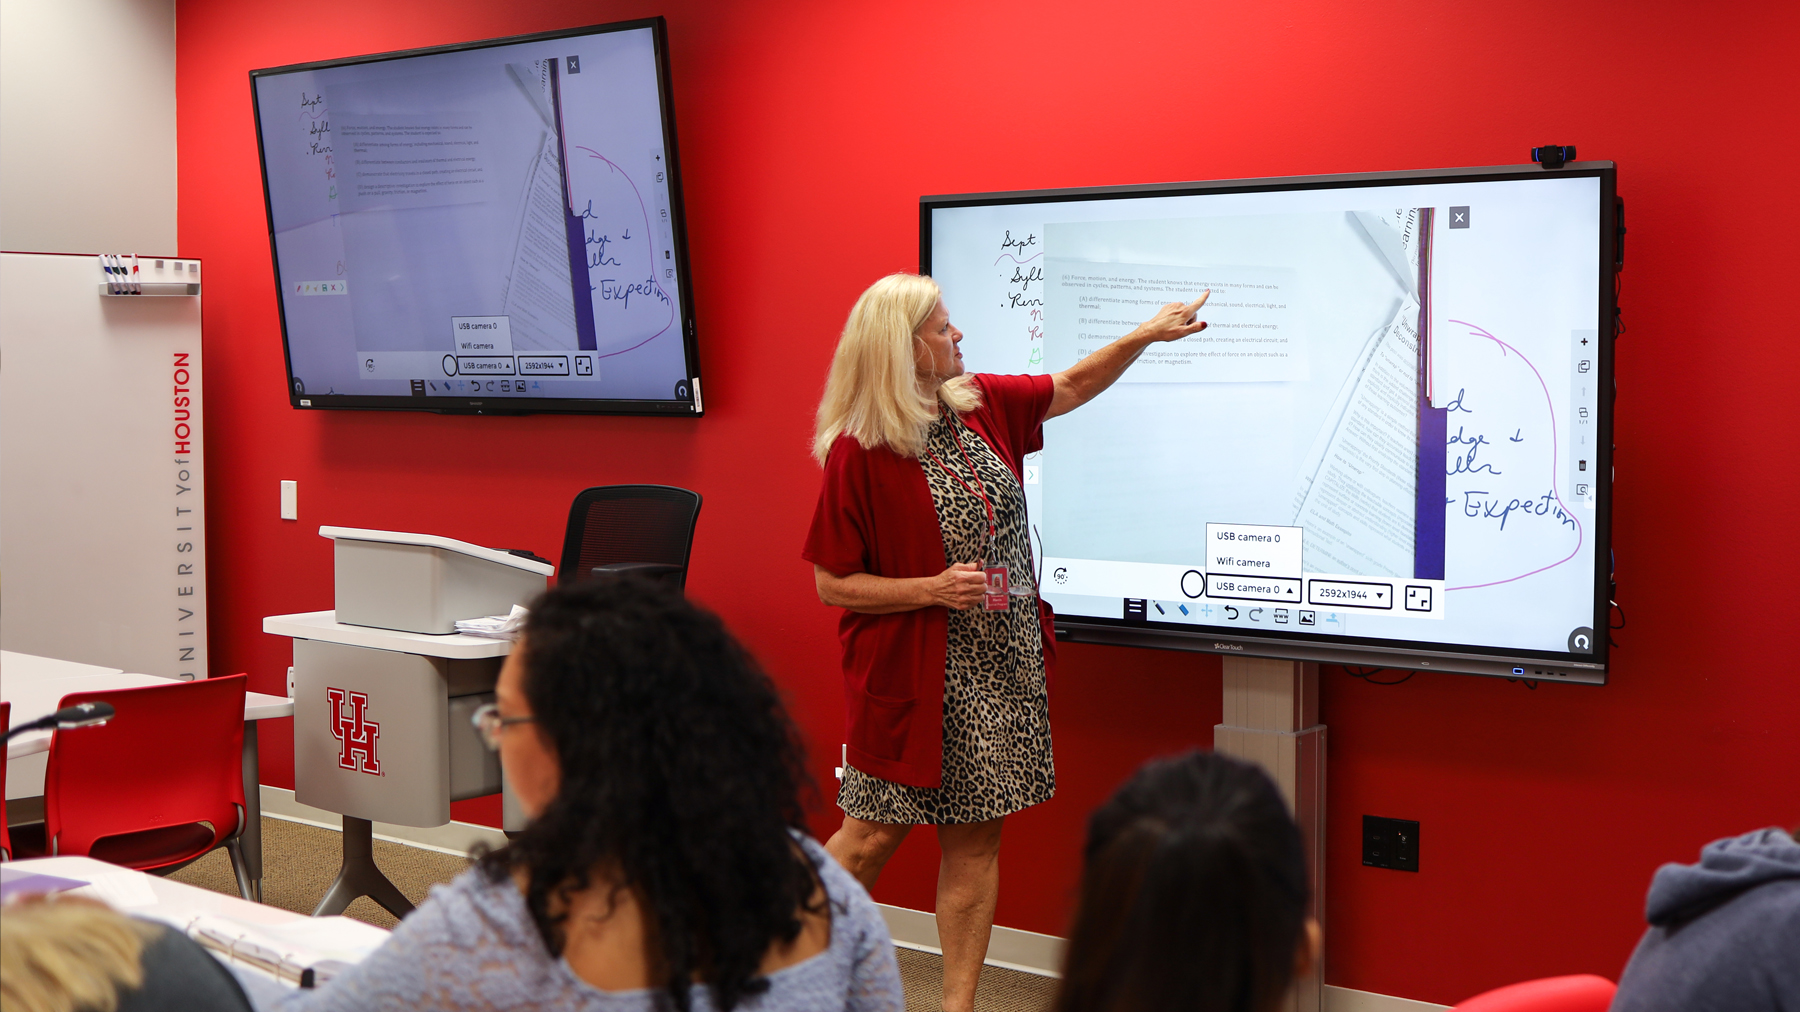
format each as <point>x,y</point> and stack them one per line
<point>1271,717</point>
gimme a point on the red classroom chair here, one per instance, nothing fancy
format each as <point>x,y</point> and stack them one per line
<point>1581,992</point>
<point>140,790</point>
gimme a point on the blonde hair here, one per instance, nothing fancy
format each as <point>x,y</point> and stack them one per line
<point>68,954</point>
<point>872,393</point>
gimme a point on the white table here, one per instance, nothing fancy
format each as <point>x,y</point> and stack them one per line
<point>35,685</point>
<point>177,903</point>
<point>174,900</point>
<point>324,626</point>
<point>30,666</point>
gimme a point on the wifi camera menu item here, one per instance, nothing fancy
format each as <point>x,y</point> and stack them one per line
<point>1253,562</point>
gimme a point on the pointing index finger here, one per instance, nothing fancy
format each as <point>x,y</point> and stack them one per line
<point>1201,301</point>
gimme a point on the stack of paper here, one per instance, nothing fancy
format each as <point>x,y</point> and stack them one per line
<point>498,627</point>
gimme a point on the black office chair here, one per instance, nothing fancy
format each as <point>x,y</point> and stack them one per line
<point>644,529</point>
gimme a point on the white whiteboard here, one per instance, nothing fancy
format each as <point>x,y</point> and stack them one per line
<point>102,488</point>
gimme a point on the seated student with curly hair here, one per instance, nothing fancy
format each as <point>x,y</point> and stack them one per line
<point>665,864</point>
<point>1193,897</point>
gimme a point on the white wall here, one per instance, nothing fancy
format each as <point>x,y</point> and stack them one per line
<point>87,98</point>
<point>103,479</point>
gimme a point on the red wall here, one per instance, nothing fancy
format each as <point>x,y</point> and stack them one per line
<point>808,130</point>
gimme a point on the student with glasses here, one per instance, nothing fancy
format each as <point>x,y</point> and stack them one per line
<point>665,864</point>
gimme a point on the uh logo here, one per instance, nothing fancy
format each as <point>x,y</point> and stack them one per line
<point>355,732</point>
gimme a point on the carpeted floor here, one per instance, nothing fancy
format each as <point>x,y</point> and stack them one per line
<point>1000,990</point>
<point>300,861</point>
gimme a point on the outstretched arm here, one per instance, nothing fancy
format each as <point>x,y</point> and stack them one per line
<point>1084,380</point>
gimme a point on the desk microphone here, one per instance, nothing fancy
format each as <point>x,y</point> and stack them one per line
<point>68,718</point>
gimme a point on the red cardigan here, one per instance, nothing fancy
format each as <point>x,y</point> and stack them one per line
<point>875,515</point>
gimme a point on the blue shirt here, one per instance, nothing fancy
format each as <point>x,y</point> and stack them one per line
<point>472,946</point>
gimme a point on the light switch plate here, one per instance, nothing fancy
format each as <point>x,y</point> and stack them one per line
<point>1390,843</point>
<point>290,500</point>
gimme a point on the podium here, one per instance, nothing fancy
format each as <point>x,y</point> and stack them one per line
<point>382,726</point>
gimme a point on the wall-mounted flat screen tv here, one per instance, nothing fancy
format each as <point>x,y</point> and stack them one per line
<point>1391,446</point>
<point>494,227</point>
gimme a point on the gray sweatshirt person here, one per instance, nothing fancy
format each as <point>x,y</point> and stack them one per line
<point>1724,934</point>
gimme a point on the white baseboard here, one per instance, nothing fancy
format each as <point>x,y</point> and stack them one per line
<point>1031,952</point>
<point>450,838</point>
<point>1344,999</point>
<point>1011,948</point>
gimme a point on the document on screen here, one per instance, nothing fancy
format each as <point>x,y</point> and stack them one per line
<point>618,191</point>
<point>537,289</point>
<point>1358,508</point>
<point>1399,235</point>
<point>533,78</point>
<point>1251,335</point>
<point>407,160</point>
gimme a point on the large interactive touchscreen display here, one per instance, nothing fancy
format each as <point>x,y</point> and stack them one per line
<point>1389,446</point>
<point>494,227</point>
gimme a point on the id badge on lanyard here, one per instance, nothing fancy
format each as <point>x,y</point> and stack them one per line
<point>996,597</point>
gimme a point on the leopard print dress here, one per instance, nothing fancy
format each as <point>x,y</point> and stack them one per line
<point>997,755</point>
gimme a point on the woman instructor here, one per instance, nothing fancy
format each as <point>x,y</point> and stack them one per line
<point>919,535</point>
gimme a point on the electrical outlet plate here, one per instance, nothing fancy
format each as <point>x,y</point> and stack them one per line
<point>1390,843</point>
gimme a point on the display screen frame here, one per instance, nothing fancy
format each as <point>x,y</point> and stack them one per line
<point>1406,655</point>
<point>690,407</point>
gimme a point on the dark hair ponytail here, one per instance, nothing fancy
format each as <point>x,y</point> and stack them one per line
<point>1193,896</point>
